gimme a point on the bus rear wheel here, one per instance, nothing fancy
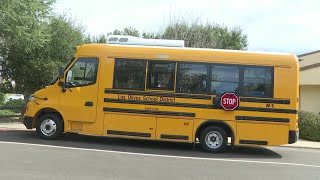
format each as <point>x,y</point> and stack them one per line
<point>49,126</point>
<point>213,139</point>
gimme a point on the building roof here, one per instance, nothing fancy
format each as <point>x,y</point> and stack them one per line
<point>310,66</point>
<point>309,53</point>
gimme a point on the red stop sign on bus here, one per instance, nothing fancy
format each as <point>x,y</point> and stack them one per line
<point>229,101</point>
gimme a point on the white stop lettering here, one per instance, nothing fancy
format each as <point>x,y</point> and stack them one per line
<point>229,101</point>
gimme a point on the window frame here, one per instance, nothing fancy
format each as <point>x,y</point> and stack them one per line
<point>129,59</point>
<point>75,61</point>
<point>272,81</point>
<point>207,80</point>
<point>176,78</point>
<point>228,65</point>
<point>147,85</point>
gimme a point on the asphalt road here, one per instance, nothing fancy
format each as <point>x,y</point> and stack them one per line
<point>25,156</point>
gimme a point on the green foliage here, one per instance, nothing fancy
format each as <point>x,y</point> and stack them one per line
<point>309,126</point>
<point>21,23</point>
<point>197,35</point>
<point>98,39</point>
<point>2,98</point>
<point>129,31</point>
<point>33,64</point>
<point>14,103</point>
<point>6,112</point>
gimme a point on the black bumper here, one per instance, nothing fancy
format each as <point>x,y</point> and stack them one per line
<point>293,136</point>
<point>27,121</point>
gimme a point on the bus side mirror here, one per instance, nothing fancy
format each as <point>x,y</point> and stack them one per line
<point>61,72</point>
<point>217,100</point>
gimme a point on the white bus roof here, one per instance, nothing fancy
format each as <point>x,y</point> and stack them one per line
<point>131,40</point>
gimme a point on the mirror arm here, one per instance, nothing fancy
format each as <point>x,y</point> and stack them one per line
<point>62,84</point>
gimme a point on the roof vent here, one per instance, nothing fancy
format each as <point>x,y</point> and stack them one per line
<point>131,40</point>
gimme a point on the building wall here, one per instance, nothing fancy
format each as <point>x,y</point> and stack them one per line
<point>310,98</point>
<point>310,59</point>
<point>310,76</point>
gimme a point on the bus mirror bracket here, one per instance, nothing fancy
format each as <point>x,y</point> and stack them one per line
<point>61,72</point>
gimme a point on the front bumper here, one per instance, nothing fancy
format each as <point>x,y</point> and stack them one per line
<point>293,136</point>
<point>27,121</point>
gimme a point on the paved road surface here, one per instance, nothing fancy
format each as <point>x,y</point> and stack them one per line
<point>25,156</point>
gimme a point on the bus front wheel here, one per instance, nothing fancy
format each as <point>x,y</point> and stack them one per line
<point>49,126</point>
<point>213,139</point>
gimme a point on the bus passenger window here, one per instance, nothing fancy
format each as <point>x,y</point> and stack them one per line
<point>224,79</point>
<point>192,78</point>
<point>129,74</point>
<point>161,75</point>
<point>258,81</point>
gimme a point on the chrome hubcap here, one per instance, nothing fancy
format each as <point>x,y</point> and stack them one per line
<point>48,127</point>
<point>214,139</point>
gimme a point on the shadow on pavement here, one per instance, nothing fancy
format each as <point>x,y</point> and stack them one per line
<point>138,146</point>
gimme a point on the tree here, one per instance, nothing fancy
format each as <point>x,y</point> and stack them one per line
<point>35,68</point>
<point>129,31</point>
<point>21,23</point>
<point>22,30</point>
<point>98,39</point>
<point>210,35</point>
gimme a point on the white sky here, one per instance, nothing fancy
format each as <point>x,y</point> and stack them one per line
<point>271,25</point>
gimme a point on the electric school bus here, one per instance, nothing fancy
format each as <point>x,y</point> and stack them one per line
<point>160,90</point>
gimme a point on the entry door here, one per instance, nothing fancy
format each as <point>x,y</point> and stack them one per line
<point>79,101</point>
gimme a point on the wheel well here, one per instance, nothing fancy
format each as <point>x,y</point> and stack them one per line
<point>45,111</point>
<point>218,123</point>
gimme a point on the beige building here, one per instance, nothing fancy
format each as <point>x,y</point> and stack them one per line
<point>310,81</point>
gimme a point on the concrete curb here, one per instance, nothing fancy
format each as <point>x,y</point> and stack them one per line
<point>298,147</point>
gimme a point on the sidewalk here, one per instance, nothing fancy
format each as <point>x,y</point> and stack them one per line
<point>304,144</point>
<point>7,126</point>
<point>12,126</point>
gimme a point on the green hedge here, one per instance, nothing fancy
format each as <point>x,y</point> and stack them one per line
<point>2,98</point>
<point>7,112</point>
<point>309,126</point>
<point>14,102</point>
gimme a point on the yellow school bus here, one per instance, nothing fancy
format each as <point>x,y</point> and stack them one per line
<point>140,91</point>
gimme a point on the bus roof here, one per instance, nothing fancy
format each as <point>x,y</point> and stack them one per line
<point>189,54</point>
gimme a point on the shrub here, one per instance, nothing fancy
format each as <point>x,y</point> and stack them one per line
<point>6,112</point>
<point>15,103</point>
<point>2,98</point>
<point>309,126</point>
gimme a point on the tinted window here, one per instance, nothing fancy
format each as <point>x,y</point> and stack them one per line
<point>224,79</point>
<point>129,74</point>
<point>192,78</point>
<point>83,72</point>
<point>258,81</point>
<point>161,75</point>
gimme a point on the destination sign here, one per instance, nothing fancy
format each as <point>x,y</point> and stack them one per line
<point>146,98</point>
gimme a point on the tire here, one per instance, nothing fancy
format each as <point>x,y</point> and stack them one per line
<point>50,126</point>
<point>213,139</point>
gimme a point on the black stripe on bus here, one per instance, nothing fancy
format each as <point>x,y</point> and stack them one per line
<point>263,100</point>
<point>254,142</point>
<point>126,133</point>
<point>138,111</point>
<point>207,106</point>
<point>149,93</point>
<point>167,136</point>
<point>269,119</point>
<point>159,103</point>
<point>288,111</point>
